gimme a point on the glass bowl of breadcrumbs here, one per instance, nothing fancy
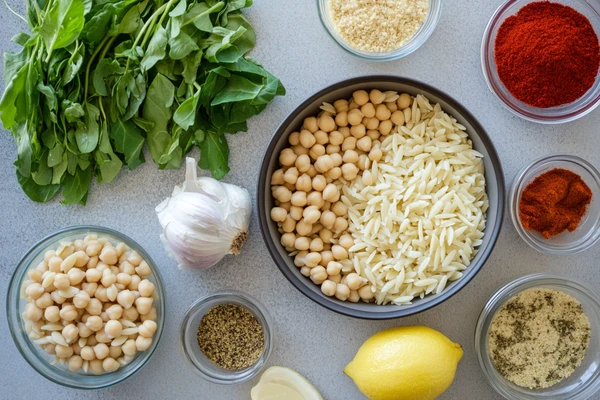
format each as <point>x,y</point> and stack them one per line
<point>381,30</point>
<point>538,337</point>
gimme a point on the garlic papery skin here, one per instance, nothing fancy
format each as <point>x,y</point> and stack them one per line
<point>204,220</point>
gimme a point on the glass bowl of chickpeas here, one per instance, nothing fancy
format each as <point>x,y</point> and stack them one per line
<point>329,142</point>
<point>86,307</point>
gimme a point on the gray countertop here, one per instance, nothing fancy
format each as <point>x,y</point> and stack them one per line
<point>294,46</point>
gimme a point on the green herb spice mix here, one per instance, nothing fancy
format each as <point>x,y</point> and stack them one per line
<point>231,337</point>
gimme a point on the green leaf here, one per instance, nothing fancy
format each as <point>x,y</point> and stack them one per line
<point>136,97</point>
<point>13,103</point>
<point>59,170</point>
<point>110,166</point>
<point>23,138</point>
<point>55,156</point>
<point>73,65</point>
<point>128,141</point>
<point>214,153</point>
<point>181,46</point>
<point>105,69</point>
<point>157,49</point>
<point>87,135</point>
<point>131,21</point>
<point>62,24</point>
<point>43,174</point>
<point>157,109</point>
<point>13,62</point>
<point>190,66</point>
<point>186,113</point>
<point>179,9</point>
<point>75,187</point>
<point>199,15</point>
<point>72,111</point>
<point>37,192</point>
<point>237,89</point>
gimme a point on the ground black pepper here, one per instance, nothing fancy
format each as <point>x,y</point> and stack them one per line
<point>539,337</point>
<point>231,337</point>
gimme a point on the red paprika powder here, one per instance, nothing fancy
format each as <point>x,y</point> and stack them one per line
<point>554,202</point>
<point>547,54</point>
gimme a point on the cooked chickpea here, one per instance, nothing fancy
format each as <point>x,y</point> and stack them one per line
<point>349,143</point>
<point>318,183</point>
<point>340,225</point>
<point>342,292</point>
<point>146,288</point>
<point>404,101</point>
<point>143,343</point>
<point>93,275</point>
<point>376,96</point>
<point>366,293</point>
<point>87,353</point>
<point>148,328</point>
<point>303,163</point>
<point>299,259</point>
<point>114,312</point>
<point>328,288</point>
<point>101,294</point>
<point>315,199</point>
<point>108,255</point>
<point>101,351</point>
<point>294,138</point>
<point>54,264</point>
<point>299,150</point>
<point>326,123</point>
<point>311,214</point>
<point>382,113</point>
<point>303,227</point>
<point>84,331</point>
<point>113,328</point>
<point>358,131</point>
<point>288,240</point>
<point>131,314</point>
<point>109,364</point>
<point>127,268</point>
<point>108,278</point>
<point>312,172</point>
<point>313,259</point>
<point>318,275</point>
<point>278,214</point>
<point>143,305</point>
<point>354,281</point>
<point>75,362</point>
<point>334,173</point>
<point>304,183</point>
<point>76,276</point>
<point>94,307</point>
<point>63,351</point>
<point>81,299</point>
<point>355,117</point>
<point>397,118</point>
<point>35,291</point>
<point>334,268</point>
<point>70,333</point>
<point>135,281</point>
<point>307,139</point>
<point>55,297</point>
<point>339,252</point>
<point>361,97</point>
<point>346,241</point>
<point>327,219</point>
<point>372,124</point>
<point>316,244</point>
<point>96,367</point>
<point>305,271</point>
<point>368,110</point>
<point>115,351</point>
<point>367,178</point>
<point>46,300</point>
<point>349,172</point>
<point>385,127</point>
<point>33,312</point>
<point>354,297</point>
<point>392,106</point>
<point>61,282</point>
<point>282,194</point>
<point>364,144</point>
<point>95,323</point>
<point>363,162</point>
<point>277,177</point>
<point>291,176</point>
<point>331,192</point>
<point>51,314</point>
<point>311,124</point>
<point>125,298</point>
<point>129,347</point>
<point>326,257</point>
<point>289,225</point>
<point>68,312</point>
<point>375,154</point>
<point>325,235</point>
<point>287,157</point>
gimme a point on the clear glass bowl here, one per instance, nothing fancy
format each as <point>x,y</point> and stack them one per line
<point>566,243</point>
<point>431,21</point>
<point>554,115</point>
<point>35,355</point>
<point>585,380</point>
<point>195,358</point>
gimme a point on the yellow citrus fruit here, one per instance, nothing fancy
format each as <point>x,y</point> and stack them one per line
<point>281,383</point>
<point>405,363</point>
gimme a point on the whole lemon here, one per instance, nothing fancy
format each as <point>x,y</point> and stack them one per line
<point>405,363</point>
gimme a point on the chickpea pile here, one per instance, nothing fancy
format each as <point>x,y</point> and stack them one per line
<point>90,304</point>
<point>332,150</point>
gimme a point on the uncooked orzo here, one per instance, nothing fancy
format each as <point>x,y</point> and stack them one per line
<point>378,25</point>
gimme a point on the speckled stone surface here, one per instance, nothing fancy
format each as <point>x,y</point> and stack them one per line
<point>318,343</point>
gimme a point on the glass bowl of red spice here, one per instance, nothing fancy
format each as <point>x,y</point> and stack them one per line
<point>555,204</point>
<point>542,58</point>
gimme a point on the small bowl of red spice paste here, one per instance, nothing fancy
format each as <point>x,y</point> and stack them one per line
<point>555,204</point>
<point>542,58</point>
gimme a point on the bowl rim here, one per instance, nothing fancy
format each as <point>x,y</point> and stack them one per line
<point>224,297</point>
<point>517,188</point>
<point>404,311</point>
<point>414,43</point>
<point>14,290</point>
<point>500,295</point>
<point>514,109</point>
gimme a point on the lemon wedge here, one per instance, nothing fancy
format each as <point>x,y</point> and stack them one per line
<point>281,383</point>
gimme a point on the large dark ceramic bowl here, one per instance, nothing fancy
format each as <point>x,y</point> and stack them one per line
<point>481,142</point>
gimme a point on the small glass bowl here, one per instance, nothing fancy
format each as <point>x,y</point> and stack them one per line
<point>188,338</point>
<point>420,37</point>
<point>554,115</point>
<point>35,355</point>
<point>566,243</point>
<point>585,380</point>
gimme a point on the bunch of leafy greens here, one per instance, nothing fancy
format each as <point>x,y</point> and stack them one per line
<point>98,78</point>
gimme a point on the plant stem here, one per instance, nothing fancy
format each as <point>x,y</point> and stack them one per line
<point>14,12</point>
<point>89,66</point>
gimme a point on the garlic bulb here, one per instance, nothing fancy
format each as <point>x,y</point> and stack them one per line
<point>204,220</point>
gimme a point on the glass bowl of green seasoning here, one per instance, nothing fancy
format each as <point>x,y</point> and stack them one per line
<point>538,337</point>
<point>226,337</point>
<point>541,59</point>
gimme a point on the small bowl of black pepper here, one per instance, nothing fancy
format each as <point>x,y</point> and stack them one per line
<point>538,337</point>
<point>226,337</point>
